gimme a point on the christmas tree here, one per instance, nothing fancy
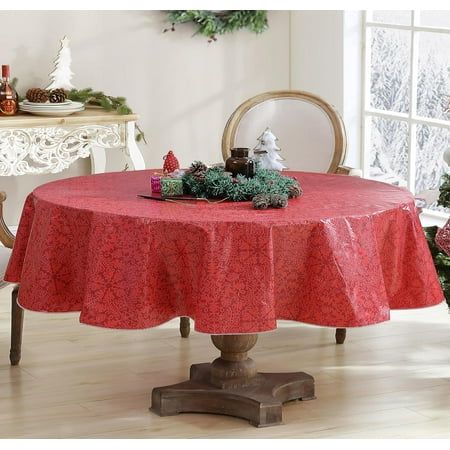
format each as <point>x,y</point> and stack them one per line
<point>267,152</point>
<point>437,239</point>
<point>62,74</point>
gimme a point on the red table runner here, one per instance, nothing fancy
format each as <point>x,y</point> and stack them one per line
<point>342,255</point>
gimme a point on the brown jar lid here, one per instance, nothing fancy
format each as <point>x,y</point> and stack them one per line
<point>239,151</point>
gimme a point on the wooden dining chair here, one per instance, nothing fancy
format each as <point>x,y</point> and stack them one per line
<point>7,239</point>
<point>311,135</point>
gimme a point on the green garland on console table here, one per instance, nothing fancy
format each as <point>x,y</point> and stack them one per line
<point>98,98</point>
<point>440,259</point>
<point>109,103</point>
<point>213,23</point>
<point>216,183</point>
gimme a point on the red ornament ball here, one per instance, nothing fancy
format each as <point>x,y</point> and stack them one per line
<point>170,162</point>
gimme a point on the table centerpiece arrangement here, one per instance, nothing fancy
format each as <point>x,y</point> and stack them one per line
<point>266,188</point>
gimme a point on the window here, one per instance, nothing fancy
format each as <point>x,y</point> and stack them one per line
<point>406,103</point>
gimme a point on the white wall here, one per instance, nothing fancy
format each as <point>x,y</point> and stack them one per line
<point>326,60</point>
<point>183,88</point>
<point>317,54</point>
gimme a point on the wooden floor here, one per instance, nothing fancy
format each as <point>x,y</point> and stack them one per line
<point>389,380</point>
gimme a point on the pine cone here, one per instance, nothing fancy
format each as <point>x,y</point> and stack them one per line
<point>198,171</point>
<point>295,191</point>
<point>261,201</point>
<point>37,95</point>
<point>57,96</point>
<point>199,176</point>
<point>278,201</point>
<point>197,166</point>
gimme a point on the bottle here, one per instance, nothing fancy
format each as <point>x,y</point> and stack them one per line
<point>9,100</point>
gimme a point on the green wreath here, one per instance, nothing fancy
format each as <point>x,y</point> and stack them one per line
<point>213,23</point>
<point>214,182</point>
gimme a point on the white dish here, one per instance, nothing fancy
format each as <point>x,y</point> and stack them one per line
<point>48,104</point>
<point>54,107</point>
<point>53,113</point>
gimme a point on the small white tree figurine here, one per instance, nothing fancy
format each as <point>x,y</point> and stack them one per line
<point>62,74</point>
<point>267,151</point>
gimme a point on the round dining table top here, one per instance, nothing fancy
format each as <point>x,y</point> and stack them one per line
<point>343,254</point>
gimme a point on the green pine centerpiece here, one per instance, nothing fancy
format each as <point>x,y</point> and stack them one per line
<point>215,182</point>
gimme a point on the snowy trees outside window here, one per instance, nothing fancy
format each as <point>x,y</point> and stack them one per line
<point>395,126</point>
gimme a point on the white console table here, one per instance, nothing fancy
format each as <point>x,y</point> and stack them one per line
<point>37,145</point>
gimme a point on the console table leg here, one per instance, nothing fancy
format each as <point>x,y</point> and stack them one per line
<point>231,385</point>
<point>98,159</point>
<point>134,153</point>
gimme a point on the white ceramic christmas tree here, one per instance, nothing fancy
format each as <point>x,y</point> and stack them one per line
<point>267,151</point>
<point>62,74</point>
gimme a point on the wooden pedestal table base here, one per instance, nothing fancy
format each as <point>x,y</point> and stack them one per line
<point>231,385</point>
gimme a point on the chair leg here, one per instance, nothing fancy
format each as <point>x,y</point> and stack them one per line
<point>340,335</point>
<point>16,328</point>
<point>185,326</point>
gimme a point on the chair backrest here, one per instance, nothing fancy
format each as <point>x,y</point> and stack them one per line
<point>310,132</point>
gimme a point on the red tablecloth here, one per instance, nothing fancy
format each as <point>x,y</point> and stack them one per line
<point>342,255</point>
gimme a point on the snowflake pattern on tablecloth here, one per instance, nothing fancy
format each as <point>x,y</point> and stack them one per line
<point>342,255</point>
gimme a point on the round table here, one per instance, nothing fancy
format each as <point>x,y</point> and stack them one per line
<point>342,255</point>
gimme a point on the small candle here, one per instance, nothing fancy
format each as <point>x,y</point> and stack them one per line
<point>155,182</point>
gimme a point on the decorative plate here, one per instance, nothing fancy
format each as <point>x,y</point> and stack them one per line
<point>52,112</point>
<point>46,104</point>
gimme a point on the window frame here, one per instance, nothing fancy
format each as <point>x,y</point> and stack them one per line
<point>411,118</point>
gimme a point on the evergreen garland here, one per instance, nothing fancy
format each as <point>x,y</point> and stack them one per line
<point>98,98</point>
<point>444,192</point>
<point>213,23</point>
<point>441,261</point>
<point>217,183</point>
<point>107,102</point>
